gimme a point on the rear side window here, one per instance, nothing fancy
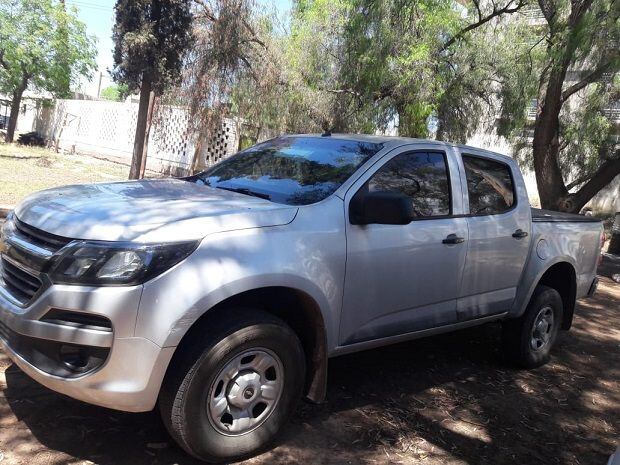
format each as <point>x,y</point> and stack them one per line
<point>421,176</point>
<point>489,184</point>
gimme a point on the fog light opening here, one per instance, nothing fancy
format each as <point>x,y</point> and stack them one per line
<point>74,358</point>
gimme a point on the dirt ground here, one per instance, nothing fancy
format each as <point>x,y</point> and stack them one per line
<point>443,400</point>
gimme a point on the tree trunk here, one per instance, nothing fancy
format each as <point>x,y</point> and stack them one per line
<point>546,145</point>
<point>15,104</point>
<point>197,162</point>
<point>147,133</point>
<point>140,143</point>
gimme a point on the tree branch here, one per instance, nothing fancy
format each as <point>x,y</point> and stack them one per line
<point>249,65</point>
<point>548,10</point>
<point>507,9</point>
<point>589,79</point>
<point>578,181</point>
<point>254,34</point>
<point>602,177</point>
<point>477,5</point>
<point>3,62</point>
<point>208,14</point>
<point>578,10</point>
<point>207,11</point>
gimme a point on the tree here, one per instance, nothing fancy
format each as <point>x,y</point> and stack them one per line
<point>235,69</point>
<point>401,62</point>
<point>346,65</point>
<point>571,72</point>
<point>114,93</point>
<point>41,45</point>
<point>151,39</point>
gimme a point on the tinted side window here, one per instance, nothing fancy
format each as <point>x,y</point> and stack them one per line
<point>489,185</point>
<point>422,176</point>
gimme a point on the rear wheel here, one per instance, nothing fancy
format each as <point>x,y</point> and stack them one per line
<point>527,341</point>
<point>226,396</point>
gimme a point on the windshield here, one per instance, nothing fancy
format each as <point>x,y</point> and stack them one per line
<point>290,170</point>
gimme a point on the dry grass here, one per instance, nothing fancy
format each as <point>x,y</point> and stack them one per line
<point>24,170</point>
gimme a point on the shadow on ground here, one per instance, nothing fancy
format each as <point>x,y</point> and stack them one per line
<point>443,400</point>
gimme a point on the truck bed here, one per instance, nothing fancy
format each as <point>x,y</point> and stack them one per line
<point>548,216</point>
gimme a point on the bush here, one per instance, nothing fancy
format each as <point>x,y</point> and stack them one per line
<point>31,139</point>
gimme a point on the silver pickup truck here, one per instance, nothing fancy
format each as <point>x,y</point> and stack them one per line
<point>220,297</point>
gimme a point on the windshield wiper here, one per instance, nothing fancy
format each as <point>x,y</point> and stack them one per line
<point>246,191</point>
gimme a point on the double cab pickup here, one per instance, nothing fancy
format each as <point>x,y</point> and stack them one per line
<point>220,297</point>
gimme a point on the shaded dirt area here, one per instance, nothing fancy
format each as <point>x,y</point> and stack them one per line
<point>443,400</point>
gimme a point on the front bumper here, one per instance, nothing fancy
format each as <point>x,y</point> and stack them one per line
<point>130,377</point>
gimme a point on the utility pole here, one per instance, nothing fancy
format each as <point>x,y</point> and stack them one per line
<point>99,85</point>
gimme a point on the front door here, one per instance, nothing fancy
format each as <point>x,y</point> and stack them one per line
<point>404,278</point>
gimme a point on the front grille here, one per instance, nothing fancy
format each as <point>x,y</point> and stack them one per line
<point>21,284</point>
<point>26,251</point>
<point>40,238</point>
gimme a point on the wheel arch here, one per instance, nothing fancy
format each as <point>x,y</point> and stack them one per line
<point>561,276</point>
<point>297,309</point>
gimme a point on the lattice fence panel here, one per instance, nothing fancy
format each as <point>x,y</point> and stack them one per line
<point>108,128</point>
<point>171,142</point>
<point>224,144</point>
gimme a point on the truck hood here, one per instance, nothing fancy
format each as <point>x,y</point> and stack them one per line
<point>162,210</point>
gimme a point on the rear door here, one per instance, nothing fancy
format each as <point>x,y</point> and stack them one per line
<point>499,222</point>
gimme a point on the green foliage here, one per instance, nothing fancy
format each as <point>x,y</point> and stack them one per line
<point>151,39</point>
<point>43,45</point>
<point>372,64</point>
<point>115,93</point>
<point>350,65</point>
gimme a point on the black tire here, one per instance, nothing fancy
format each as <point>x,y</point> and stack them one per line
<point>518,341</point>
<point>193,372</point>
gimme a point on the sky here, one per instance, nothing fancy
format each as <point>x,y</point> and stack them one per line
<point>98,15</point>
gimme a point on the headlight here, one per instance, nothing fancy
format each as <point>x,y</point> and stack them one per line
<point>115,263</point>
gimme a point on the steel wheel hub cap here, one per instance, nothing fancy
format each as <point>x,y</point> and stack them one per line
<point>245,392</point>
<point>542,329</point>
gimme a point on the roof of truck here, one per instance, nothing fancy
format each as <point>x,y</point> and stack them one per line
<point>395,141</point>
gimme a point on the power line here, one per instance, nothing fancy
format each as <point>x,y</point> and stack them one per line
<point>92,6</point>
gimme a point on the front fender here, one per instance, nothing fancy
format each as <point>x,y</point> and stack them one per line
<point>250,283</point>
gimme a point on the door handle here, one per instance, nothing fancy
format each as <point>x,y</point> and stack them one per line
<point>519,234</point>
<point>453,239</point>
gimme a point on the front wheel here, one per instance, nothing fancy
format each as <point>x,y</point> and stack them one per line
<point>527,341</point>
<point>227,395</point>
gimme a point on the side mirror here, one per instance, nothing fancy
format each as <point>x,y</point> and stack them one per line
<point>380,208</point>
